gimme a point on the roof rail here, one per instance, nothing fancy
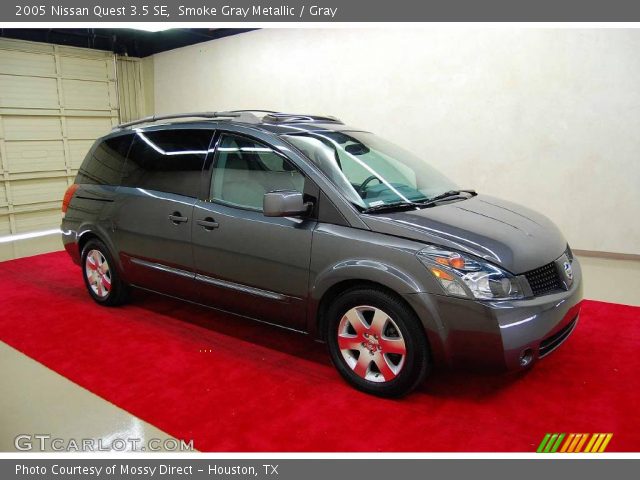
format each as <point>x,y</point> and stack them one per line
<point>277,117</point>
<point>244,115</point>
<point>280,117</point>
<point>155,118</point>
<point>252,110</point>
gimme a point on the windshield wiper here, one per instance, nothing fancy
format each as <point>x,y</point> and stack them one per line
<point>449,195</point>
<point>427,202</point>
<point>391,206</point>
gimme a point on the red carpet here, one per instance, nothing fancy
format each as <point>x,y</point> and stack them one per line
<point>266,389</point>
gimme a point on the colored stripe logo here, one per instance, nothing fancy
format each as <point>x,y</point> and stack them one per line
<point>574,443</point>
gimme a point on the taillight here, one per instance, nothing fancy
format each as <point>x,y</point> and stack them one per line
<point>67,196</point>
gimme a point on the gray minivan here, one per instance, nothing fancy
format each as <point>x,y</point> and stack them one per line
<point>305,223</point>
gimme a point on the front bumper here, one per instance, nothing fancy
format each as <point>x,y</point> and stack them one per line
<point>498,334</point>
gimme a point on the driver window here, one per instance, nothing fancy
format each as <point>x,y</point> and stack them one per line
<point>244,170</point>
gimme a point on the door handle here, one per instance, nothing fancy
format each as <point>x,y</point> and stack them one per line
<point>208,223</point>
<point>177,218</point>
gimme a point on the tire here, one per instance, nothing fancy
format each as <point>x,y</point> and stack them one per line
<point>377,343</point>
<point>101,275</point>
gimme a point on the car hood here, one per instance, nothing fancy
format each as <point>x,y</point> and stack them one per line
<point>504,233</point>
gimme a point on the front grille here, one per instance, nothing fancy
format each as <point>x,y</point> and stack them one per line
<point>549,344</point>
<point>545,279</point>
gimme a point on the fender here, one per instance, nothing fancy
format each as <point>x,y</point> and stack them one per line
<point>377,272</point>
<point>368,270</point>
<point>101,232</point>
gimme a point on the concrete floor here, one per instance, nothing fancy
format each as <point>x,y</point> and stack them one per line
<point>36,400</point>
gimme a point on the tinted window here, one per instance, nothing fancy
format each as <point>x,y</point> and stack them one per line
<point>167,161</point>
<point>103,164</point>
<point>244,170</point>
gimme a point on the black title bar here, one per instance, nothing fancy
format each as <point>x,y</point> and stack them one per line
<point>319,11</point>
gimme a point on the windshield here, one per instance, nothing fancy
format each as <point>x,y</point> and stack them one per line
<point>370,171</point>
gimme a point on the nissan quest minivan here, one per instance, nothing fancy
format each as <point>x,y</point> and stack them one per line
<point>305,223</point>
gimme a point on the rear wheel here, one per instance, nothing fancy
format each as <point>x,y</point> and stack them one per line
<point>100,275</point>
<point>376,342</point>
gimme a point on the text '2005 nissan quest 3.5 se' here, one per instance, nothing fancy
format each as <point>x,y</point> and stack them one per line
<point>303,222</point>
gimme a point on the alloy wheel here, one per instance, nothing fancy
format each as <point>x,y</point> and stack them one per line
<point>98,273</point>
<point>371,344</point>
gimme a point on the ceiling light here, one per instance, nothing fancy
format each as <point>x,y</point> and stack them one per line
<point>151,28</point>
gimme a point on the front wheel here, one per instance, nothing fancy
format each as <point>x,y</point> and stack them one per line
<point>377,343</point>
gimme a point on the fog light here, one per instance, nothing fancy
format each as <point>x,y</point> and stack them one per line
<point>526,357</point>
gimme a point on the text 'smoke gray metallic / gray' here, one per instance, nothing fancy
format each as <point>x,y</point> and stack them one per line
<point>303,222</point>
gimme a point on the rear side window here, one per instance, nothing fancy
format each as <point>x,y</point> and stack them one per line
<point>167,161</point>
<point>103,164</point>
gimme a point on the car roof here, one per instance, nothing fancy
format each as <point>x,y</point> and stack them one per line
<point>273,122</point>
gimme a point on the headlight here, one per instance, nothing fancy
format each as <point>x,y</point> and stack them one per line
<point>463,276</point>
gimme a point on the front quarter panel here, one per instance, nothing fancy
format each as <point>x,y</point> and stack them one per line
<point>342,254</point>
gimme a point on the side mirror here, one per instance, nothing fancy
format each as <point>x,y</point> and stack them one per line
<point>284,203</point>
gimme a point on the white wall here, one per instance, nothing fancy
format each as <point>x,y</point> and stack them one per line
<point>546,117</point>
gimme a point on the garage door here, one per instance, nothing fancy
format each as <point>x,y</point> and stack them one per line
<point>54,101</point>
